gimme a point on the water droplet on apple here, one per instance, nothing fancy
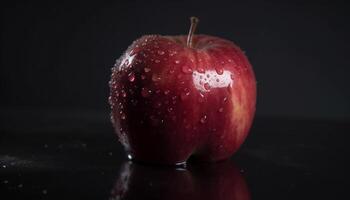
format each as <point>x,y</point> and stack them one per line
<point>143,77</point>
<point>201,70</point>
<point>146,92</point>
<point>217,80</point>
<point>158,104</point>
<point>170,109</point>
<point>219,71</point>
<point>123,93</point>
<point>131,77</point>
<point>221,109</point>
<point>133,102</point>
<point>177,61</point>
<point>166,92</point>
<point>206,86</point>
<point>224,99</point>
<point>171,71</point>
<point>122,116</point>
<point>155,77</point>
<point>201,98</point>
<point>208,75</point>
<point>157,61</point>
<point>186,69</point>
<point>185,94</point>
<point>204,119</point>
<point>232,77</point>
<point>147,69</point>
<point>160,52</point>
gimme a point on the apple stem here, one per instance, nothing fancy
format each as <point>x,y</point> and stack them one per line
<point>194,22</point>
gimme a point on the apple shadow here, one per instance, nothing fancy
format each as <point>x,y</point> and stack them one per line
<point>204,181</point>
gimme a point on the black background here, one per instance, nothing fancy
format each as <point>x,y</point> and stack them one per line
<point>56,139</point>
<point>58,55</point>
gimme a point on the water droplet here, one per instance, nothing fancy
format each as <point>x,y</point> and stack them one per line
<point>155,77</point>
<point>147,69</point>
<point>4,166</point>
<point>170,109</point>
<point>44,191</point>
<point>171,71</point>
<point>158,105</point>
<point>224,99</point>
<point>177,61</point>
<point>201,70</point>
<point>208,75</point>
<point>160,52</point>
<point>204,119</point>
<point>219,71</point>
<point>143,77</point>
<point>123,93</point>
<point>185,93</point>
<point>166,92</point>
<point>232,76</point>
<point>20,185</point>
<point>186,69</point>
<point>133,102</point>
<point>6,182</point>
<point>217,80</point>
<point>201,98</point>
<point>207,86</point>
<point>221,109</point>
<point>146,92</point>
<point>131,77</point>
<point>157,61</point>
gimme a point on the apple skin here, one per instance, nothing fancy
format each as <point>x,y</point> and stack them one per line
<point>170,101</point>
<point>205,182</point>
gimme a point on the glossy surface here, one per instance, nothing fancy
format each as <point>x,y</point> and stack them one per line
<point>170,102</point>
<point>196,181</point>
<point>75,156</point>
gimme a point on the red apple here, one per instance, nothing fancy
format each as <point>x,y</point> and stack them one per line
<point>173,97</point>
<point>205,182</point>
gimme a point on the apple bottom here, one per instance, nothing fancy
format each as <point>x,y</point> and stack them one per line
<point>176,149</point>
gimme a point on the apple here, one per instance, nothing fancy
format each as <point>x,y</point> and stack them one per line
<point>205,181</point>
<point>173,97</point>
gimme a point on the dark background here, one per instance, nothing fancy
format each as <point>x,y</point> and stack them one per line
<point>56,140</point>
<point>57,56</point>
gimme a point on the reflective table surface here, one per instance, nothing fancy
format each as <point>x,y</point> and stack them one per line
<point>75,155</point>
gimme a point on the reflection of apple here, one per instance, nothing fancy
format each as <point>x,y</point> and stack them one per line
<point>177,96</point>
<point>206,181</point>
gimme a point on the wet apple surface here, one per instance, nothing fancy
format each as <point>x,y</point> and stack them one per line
<point>170,101</point>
